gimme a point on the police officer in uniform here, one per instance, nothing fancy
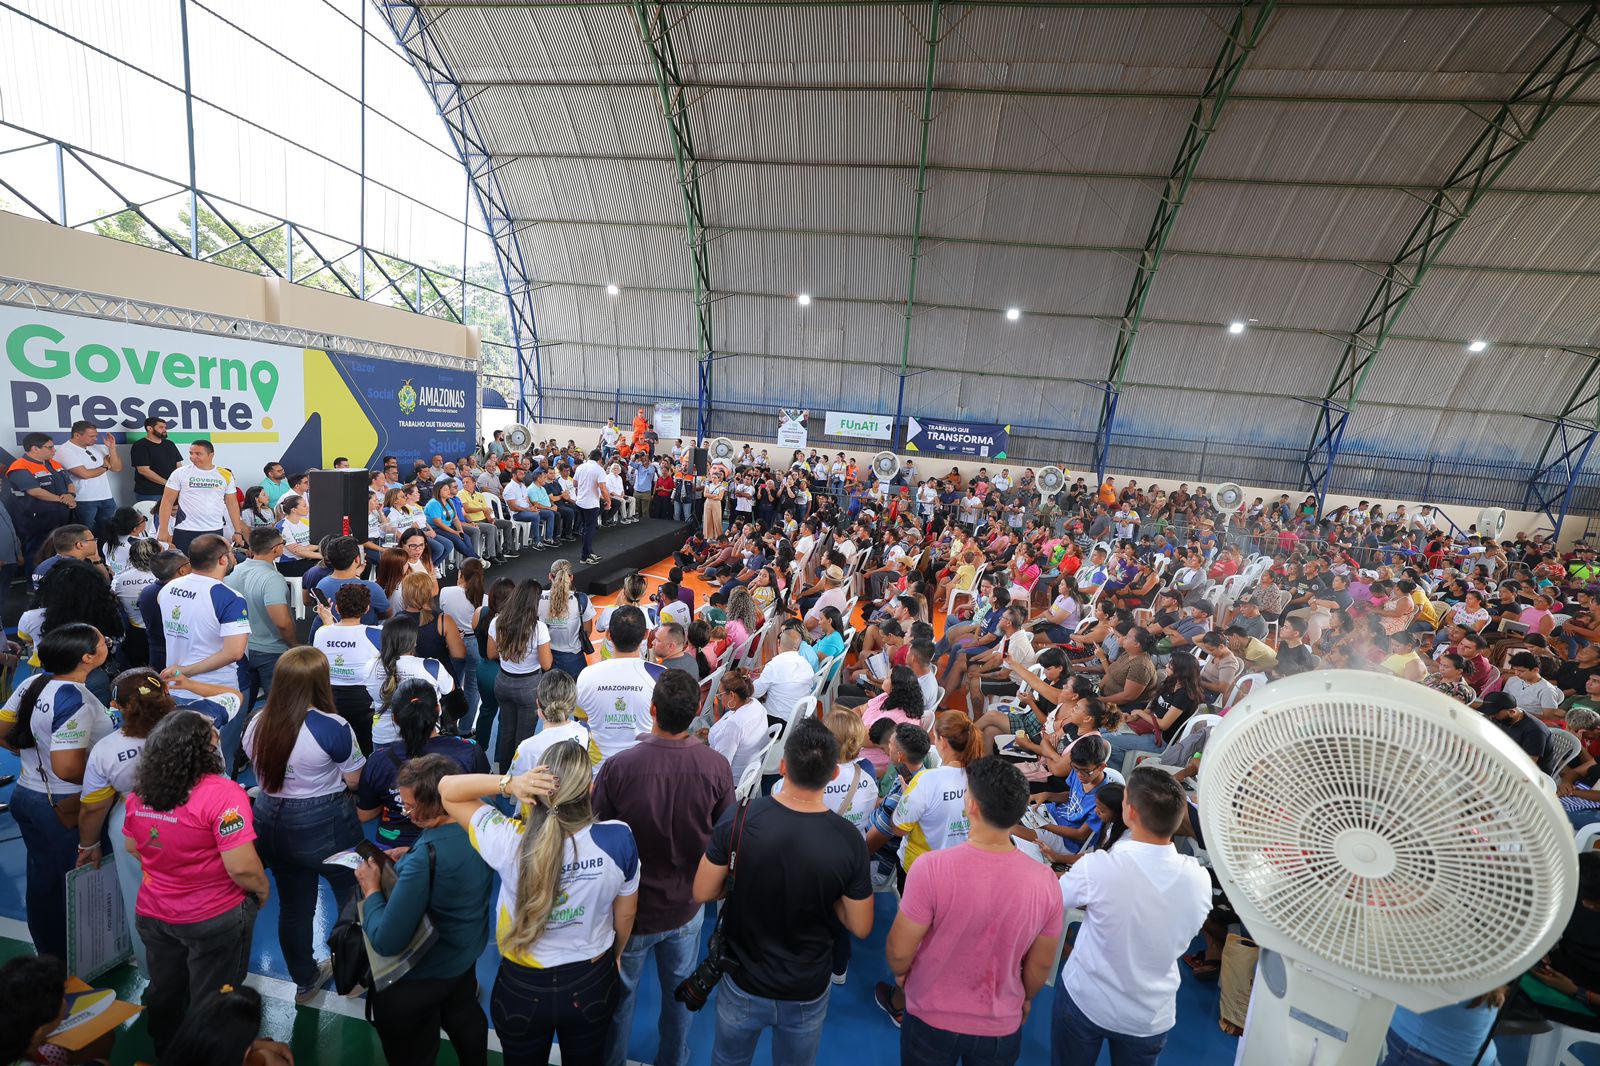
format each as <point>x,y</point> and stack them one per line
<point>41,492</point>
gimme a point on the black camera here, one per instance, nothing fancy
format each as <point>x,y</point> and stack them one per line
<point>693,991</point>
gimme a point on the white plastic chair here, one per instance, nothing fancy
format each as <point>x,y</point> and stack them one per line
<point>711,685</point>
<point>297,596</point>
<point>971,592</point>
<point>146,508</point>
<point>1564,748</point>
<point>1243,687</point>
<point>773,751</point>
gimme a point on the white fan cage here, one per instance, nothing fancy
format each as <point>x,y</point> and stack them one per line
<point>1385,833</point>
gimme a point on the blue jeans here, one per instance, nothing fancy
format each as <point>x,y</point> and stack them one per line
<point>1122,743</point>
<point>1075,1039</point>
<point>683,510</point>
<point>677,951</point>
<point>572,662</point>
<point>488,705</point>
<point>52,852</point>
<point>924,1045</point>
<point>1396,1052</point>
<point>461,544</point>
<point>544,525</point>
<point>469,681</point>
<point>796,1027</point>
<point>438,547</point>
<point>94,514</point>
<point>293,837</point>
<point>588,517</point>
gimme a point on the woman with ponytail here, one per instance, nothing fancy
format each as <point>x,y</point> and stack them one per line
<point>51,723</point>
<point>414,709</point>
<point>568,894</point>
<point>930,816</point>
<point>568,614</point>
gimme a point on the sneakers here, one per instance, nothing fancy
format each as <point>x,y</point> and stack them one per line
<point>839,978</point>
<point>883,996</point>
<point>304,994</point>
<point>591,559</point>
<point>538,546</point>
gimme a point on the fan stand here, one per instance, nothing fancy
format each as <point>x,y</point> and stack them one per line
<point>1299,1016</point>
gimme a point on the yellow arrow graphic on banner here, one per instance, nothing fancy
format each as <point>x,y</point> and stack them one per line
<point>347,429</point>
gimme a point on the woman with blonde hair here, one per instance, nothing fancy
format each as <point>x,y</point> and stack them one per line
<point>558,704</point>
<point>568,613</point>
<point>632,594</point>
<point>568,895</point>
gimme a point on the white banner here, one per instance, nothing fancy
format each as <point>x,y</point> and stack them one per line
<point>669,421</point>
<point>246,397</point>
<point>864,427</point>
<point>792,427</point>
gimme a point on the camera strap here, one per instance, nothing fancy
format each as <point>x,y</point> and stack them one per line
<point>733,859</point>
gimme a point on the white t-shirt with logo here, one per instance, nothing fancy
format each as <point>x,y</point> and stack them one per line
<point>529,663</point>
<point>531,751</point>
<point>932,812</point>
<point>202,497</point>
<point>323,753</point>
<point>350,650</point>
<point>615,696</point>
<point>599,863</point>
<point>384,731</point>
<point>66,717</point>
<point>115,757</point>
<point>91,457</point>
<point>198,613</point>
<point>852,794</point>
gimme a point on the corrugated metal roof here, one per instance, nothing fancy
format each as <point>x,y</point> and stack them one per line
<point>1045,176</point>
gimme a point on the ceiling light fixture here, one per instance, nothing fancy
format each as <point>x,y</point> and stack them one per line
<point>1236,328</point>
<point>612,290</point>
<point>1013,313</point>
<point>804,299</point>
<point>1477,346</point>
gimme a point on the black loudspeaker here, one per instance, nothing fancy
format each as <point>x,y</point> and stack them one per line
<point>702,461</point>
<point>338,497</point>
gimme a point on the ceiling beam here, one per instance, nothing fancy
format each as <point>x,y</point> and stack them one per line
<point>935,35</point>
<point>1152,95</point>
<point>711,163</point>
<point>1129,251</point>
<point>1563,70</point>
<point>655,31</point>
<point>1038,5</point>
<point>1249,23</point>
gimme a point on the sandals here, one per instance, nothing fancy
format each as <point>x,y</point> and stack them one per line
<point>1202,968</point>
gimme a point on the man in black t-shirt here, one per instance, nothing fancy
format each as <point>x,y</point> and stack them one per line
<point>801,871</point>
<point>153,458</point>
<point>1526,731</point>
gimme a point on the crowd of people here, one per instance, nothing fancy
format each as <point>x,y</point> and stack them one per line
<point>608,765</point>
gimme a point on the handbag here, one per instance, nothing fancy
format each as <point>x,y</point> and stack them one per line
<point>356,965</point>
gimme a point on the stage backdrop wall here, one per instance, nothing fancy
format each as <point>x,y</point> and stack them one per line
<point>257,402</point>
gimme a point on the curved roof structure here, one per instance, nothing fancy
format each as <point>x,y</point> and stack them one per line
<point>1132,176</point>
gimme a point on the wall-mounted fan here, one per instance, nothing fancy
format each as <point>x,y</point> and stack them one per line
<point>721,450</point>
<point>886,465</point>
<point>1227,497</point>
<point>519,438</point>
<point>1385,845</point>
<point>1049,479</point>
<point>1492,522</point>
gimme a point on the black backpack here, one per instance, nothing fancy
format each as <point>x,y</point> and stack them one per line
<point>348,944</point>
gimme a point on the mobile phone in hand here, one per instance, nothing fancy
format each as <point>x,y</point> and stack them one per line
<point>368,850</point>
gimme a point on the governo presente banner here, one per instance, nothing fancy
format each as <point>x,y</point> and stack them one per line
<point>256,402</point>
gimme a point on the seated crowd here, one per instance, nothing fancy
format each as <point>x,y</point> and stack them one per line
<point>941,689</point>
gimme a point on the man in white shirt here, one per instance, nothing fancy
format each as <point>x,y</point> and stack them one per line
<point>1534,695</point>
<point>615,693</point>
<point>589,493</point>
<point>787,678</point>
<point>832,596</point>
<point>609,435</point>
<point>207,627</point>
<point>203,493</point>
<point>1127,934</point>
<point>90,465</point>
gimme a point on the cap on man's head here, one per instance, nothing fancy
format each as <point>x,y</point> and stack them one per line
<point>1202,606</point>
<point>1495,702</point>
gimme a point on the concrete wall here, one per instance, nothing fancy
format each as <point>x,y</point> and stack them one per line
<point>932,464</point>
<point>39,251</point>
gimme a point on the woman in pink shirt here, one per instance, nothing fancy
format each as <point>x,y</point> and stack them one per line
<point>902,703</point>
<point>203,883</point>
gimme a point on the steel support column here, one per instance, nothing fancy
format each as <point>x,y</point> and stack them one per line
<point>188,117</point>
<point>1566,449</point>
<point>410,25</point>
<point>1249,23</point>
<point>655,32</point>
<point>1563,69</point>
<point>897,431</point>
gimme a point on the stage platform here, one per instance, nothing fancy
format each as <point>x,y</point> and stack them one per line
<point>622,549</point>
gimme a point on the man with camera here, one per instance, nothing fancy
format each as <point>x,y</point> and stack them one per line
<point>790,856</point>
<point>670,789</point>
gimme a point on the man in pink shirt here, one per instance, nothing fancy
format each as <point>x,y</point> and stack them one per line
<point>970,969</point>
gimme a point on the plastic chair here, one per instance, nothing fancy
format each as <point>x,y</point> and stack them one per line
<point>1243,687</point>
<point>146,508</point>
<point>1564,748</point>
<point>708,696</point>
<point>297,596</point>
<point>970,592</point>
<point>773,751</point>
<point>1556,1048</point>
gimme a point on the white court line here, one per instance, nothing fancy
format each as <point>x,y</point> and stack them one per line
<point>275,988</point>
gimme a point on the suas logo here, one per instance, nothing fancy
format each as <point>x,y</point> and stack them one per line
<point>407,396</point>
